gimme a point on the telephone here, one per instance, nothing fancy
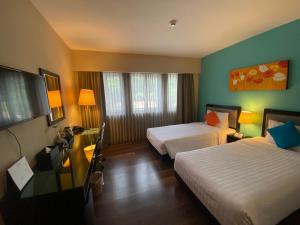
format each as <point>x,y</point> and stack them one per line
<point>238,135</point>
<point>77,129</point>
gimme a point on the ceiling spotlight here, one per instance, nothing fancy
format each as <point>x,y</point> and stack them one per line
<point>173,23</point>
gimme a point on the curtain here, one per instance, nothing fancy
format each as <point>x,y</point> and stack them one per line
<point>137,101</point>
<point>92,116</point>
<point>132,102</point>
<point>186,112</point>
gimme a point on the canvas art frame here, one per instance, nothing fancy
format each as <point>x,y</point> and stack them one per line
<point>267,76</point>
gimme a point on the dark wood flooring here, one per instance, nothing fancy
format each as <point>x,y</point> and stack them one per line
<point>141,189</point>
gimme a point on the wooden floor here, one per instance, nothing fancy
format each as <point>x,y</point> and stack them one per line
<point>141,189</point>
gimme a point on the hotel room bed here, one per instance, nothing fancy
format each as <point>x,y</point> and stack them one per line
<point>185,137</point>
<point>248,182</point>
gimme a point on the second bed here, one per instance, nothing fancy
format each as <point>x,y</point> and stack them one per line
<point>248,182</point>
<point>185,137</point>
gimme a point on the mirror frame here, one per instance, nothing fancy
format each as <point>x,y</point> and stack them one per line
<point>43,73</point>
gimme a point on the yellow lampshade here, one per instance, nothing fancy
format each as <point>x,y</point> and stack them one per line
<point>66,164</point>
<point>86,97</point>
<point>89,151</point>
<point>54,99</point>
<point>246,117</point>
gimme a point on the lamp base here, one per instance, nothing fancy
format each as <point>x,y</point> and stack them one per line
<point>239,135</point>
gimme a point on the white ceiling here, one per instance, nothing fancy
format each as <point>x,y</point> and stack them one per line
<point>141,26</point>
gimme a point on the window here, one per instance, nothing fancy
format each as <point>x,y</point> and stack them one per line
<point>140,93</point>
<point>114,93</point>
<point>172,92</point>
<point>146,93</point>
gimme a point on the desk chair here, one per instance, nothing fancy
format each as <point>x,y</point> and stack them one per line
<point>98,156</point>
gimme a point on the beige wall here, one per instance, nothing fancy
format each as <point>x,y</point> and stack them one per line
<point>103,61</point>
<point>27,42</point>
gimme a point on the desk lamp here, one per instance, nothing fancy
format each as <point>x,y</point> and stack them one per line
<point>86,100</point>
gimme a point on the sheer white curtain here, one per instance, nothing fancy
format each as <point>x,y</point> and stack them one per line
<point>114,93</point>
<point>137,101</point>
<point>146,92</point>
<point>172,92</point>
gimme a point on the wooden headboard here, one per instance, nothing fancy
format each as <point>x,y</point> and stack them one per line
<point>234,113</point>
<point>279,115</point>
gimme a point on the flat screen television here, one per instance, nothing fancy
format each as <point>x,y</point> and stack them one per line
<point>23,97</point>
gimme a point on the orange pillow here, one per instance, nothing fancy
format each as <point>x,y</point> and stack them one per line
<point>212,118</point>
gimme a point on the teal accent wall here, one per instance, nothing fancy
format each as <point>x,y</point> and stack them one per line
<point>277,44</point>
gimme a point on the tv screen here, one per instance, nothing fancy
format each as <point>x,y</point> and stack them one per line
<point>23,96</point>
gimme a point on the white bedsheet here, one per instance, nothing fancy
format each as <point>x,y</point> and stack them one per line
<point>186,137</point>
<point>248,182</point>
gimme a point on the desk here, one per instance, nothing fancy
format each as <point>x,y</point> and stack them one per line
<point>56,196</point>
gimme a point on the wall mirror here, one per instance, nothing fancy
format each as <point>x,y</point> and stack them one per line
<point>53,87</point>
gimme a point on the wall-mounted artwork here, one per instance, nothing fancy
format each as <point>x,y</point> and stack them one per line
<point>269,76</point>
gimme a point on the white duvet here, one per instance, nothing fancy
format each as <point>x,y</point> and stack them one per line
<point>185,137</point>
<point>248,182</point>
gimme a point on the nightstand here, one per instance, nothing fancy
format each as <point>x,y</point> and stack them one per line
<point>232,138</point>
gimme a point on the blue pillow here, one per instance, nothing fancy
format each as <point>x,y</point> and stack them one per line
<point>286,135</point>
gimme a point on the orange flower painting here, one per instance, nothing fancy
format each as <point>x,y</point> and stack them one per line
<point>269,76</point>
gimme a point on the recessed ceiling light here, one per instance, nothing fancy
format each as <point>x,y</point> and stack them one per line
<point>173,23</point>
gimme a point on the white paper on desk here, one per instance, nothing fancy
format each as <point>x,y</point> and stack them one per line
<point>20,172</point>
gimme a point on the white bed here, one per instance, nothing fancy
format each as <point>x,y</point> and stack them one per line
<point>248,182</point>
<point>185,137</point>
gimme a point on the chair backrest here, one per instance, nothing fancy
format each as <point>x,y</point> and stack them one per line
<point>99,141</point>
<point>102,133</point>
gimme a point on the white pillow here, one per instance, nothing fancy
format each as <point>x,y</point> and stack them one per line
<point>223,117</point>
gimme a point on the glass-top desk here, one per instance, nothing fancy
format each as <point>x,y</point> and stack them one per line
<point>75,171</point>
<point>59,192</point>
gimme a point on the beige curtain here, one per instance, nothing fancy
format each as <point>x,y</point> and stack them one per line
<point>92,116</point>
<point>132,128</point>
<point>186,112</point>
<point>52,83</point>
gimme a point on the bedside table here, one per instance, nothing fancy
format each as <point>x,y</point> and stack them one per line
<point>232,138</point>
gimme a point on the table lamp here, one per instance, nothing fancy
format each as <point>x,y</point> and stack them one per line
<point>246,117</point>
<point>86,99</point>
<point>54,99</point>
<point>55,104</point>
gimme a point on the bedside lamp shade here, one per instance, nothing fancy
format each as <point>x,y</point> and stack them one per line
<point>86,97</point>
<point>54,99</point>
<point>246,117</point>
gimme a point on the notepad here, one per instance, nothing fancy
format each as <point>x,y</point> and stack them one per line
<point>20,173</point>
